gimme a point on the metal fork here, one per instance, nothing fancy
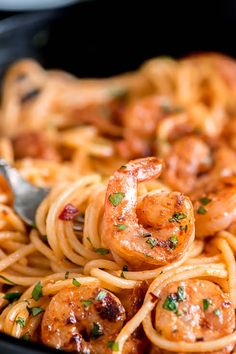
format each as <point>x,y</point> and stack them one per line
<point>27,197</point>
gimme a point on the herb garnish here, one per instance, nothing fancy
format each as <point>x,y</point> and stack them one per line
<point>206,303</point>
<point>170,303</point>
<point>7,280</point>
<point>116,198</point>
<point>87,303</point>
<point>96,330</point>
<point>37,291</point>
<point>101,295</point>
<point>152,242</point>
<point>201,210</point>
<point>75,282</point>
<point>114,346</point>
<point>102,251</point>
<point>180,294</point>
<point>35,310</point>
<point>20,321</point>
<point>25,337</point>
<point>147,234</point>
<point>176,217</point>
<point>121,226</point>
<point>12,296</point>
<point>204,200</point>
<point>173,242</point>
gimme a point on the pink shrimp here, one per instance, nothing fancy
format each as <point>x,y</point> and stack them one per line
<point>153,231</point>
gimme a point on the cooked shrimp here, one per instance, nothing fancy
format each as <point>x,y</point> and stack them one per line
<point>196,119</point>
<point>224,162</point>
<point>132,300</point>
<point>153,231</point>
<point>194,310</point>
<point>216,210</point>
<point>83,320</point>
<point>187,158</point>
<point>140,119</point>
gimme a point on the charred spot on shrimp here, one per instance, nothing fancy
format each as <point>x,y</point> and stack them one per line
<point>179,200</point>
<point>154,298</point>
<point>108,308</point>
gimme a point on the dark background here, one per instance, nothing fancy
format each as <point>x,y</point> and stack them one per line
<point>106,37</point>
<point>101,38</point>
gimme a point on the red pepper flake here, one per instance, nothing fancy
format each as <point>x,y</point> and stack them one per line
<point>69,212</point>
<point>154,297</point>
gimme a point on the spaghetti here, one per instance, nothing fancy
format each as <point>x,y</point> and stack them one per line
<point>129,253</point>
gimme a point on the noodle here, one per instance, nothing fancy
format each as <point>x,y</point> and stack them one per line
<point>129,253</point>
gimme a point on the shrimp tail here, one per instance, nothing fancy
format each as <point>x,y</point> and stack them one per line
<point>143,169</point>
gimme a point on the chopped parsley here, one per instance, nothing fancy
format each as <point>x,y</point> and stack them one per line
<point>101,295</point>
<point>12,296</point>
<point>114,346</point>
<point>206,303</point>
<point>152,242</point>
<point>147,255</point>
<point>25,337</point>
<point>125,268</point>
<point>66,275</point>
<point>123,167</point>
<point>102,251</point>
<point>173,242</point>
<point>116,198</point>
<point>201,210</point>
<point>147,234</point>
<point>183,228</point>
<point>75,282</point>
<point>7,280</point>
<point>20,321</point>
<point>96,330</point>
<point>170,303</point>
<point>180,293</point>
<point>121,226</point>
<point>87,303</point>
<point>204,200</point>
<point>176,217</point>
<point>34,311</point>
<point>37,291</point>
<point>217,312</point>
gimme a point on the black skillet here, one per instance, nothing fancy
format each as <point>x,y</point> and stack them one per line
<point>102,38</point>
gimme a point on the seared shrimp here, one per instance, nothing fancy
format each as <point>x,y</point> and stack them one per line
<point>194,310</point>
<point>187,158</point>
<point>140,119</point>
<point>83,320</point>
<point>216,210</point>
<point>153,231</point>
